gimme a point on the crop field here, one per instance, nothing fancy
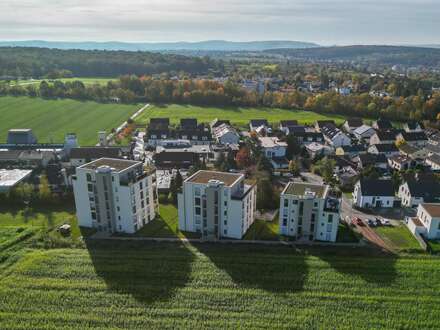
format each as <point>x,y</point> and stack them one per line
<point>168,286</point>
<point>52,119</point>
<point>237,115</point>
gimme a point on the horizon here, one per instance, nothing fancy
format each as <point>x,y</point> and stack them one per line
<point>335,22</point>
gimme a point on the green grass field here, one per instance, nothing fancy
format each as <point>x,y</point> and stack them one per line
<point>237,115</point>
<point>173,286</point>
<point>52,119</point>
<point>86,81</point>
<point>399,238</point>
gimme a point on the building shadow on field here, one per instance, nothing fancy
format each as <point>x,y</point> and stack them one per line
<point>371,264</point>
<point>147,271</point>
<point>271,268</point>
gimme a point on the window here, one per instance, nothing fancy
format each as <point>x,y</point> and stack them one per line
<point>90,187</point>
<point>142,195</point>
<point>93,215</point>
<point>286,202</point>
<point>197,201</point>
<point>141,185</point>
<point>198,211</point>
<point>294,202</point>
<point>118,208</point>
<point>89,177</point>
<point>225,231</point>
<point>330,218</point>
<point>226,222</point>
<point>300,221</point>
<point>301,208</point>
<point>197,191</point>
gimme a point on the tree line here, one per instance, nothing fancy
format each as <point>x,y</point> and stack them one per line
<point>37,63</point>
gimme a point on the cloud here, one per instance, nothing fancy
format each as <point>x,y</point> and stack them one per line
<point>327,22</point>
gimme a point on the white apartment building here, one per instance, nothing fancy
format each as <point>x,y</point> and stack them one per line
<point>217,205</point>
<point>307,212</point>
<point>114,195</point>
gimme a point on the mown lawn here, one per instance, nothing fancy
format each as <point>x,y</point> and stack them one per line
<point>237,115</point>
<point>173,286</point>
<point>52,119</point>
<point>165,225</point>
<point>399,238</point>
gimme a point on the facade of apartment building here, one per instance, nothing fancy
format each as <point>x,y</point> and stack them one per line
<point>114,195</point>
<point>308,212</point>
<point>217,205</point>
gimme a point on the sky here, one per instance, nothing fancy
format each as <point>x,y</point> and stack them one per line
<point>327,22</point>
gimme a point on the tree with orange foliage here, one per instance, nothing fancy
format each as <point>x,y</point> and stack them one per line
<point>243,158</point>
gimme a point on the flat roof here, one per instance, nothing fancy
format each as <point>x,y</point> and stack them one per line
<point>432,208</point>
<point>204,177</point>
<point>9,178</point>
<point>302,188</point>
<point>271,142</point>
<point>118,164</point>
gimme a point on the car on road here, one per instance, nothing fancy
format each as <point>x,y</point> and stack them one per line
<point>357,222</point>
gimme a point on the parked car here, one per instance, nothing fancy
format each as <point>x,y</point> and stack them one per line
<point>386,222</point>
<point>371,223</point>
<point>358,222</point>
<point>378,222</point>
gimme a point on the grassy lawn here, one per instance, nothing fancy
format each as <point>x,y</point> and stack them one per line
<point>165,225</point>
<point>47,218</point>
<point>52,119</point>
<point>237,115</point>
<point>174,286</point>
<point>400,238</point>
<point>263,230</point>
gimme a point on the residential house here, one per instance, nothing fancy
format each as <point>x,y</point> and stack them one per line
<point>196,133</point>
<point>316,149</point>
<point>377,161</point>
<point>382,125</point>
<point>225,134</point>
<point>415,139</point>
<point>275,151</point>
<point>217,122</point>
<point>308,212</point>
<point>351,151</point>
<point>335,137</point>
<point>413,126</point>
<point>307,137</point>
<point>401,162</point>
<point>414,153</point>
<point>175,159</point>
<point>364,132</point>
<point>255,124</point>
<point>320,124</point>
<point>415,191</point>
<point>352,124</point>
<point>432,149</point>
<point>114,195</point>
<point>10,178</point>
<point>158,129</point>
<point>217,205</point>
<point>427,221</point>
<point>286,124</point>
<point>434,162</point>
<point>381,137</point>
<point>374,193</point>
<point>387,149</point>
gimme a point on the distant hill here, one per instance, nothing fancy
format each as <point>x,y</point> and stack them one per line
<point>389,55</point>
<point>211,45</point>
